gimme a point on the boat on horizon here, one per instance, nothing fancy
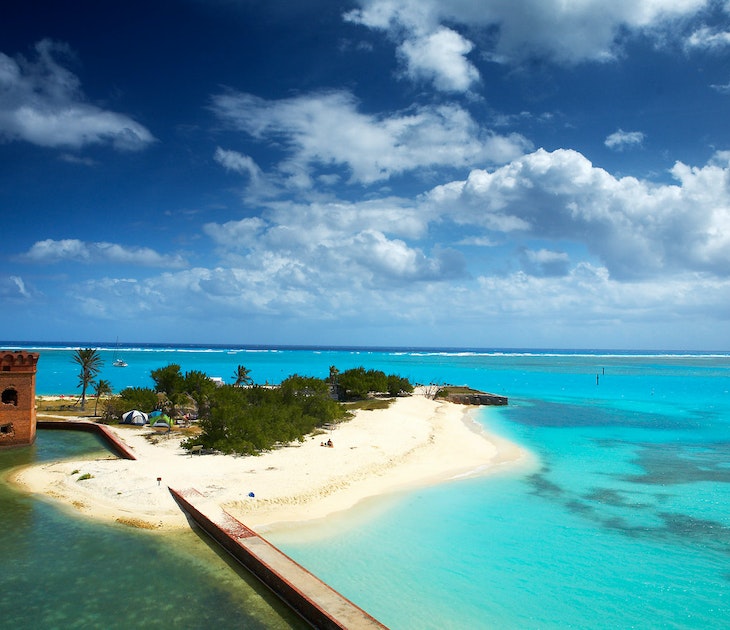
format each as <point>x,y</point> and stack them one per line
<point>118,361</point>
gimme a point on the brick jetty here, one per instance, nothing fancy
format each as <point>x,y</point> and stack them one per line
<point>312,599</point>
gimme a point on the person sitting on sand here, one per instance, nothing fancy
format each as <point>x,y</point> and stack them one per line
<point>329,443</point>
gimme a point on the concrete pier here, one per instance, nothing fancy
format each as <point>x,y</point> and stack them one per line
<point>317,603</point>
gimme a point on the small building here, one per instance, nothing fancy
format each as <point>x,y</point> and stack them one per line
<point>17,397</point>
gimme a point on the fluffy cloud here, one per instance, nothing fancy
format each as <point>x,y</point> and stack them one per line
<point>566,32</point>
<point>337,244</point>
<point>53,251</point>
<point>591,250</point>
<point>41,102</point>
<point>661,254</point>
<point>588,298</point>
<point>290,223</point>
<point>236,235</point>
<point>429,50</point>
<point>544,262</point>
<point>709,39</point>
<point>326,132</point>
<point>638,229</point>
<point>621,139</point>
<point>582,305</point>
<point>440,57</point>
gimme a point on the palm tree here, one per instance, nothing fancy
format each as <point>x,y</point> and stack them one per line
<point>242,376</point>
<point>101,388</point>
<point>90,362</point>
<point>334,373</point>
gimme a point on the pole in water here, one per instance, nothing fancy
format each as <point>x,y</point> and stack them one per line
<point>596,379</point>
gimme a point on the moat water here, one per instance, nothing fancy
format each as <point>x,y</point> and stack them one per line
<point>61,571</point>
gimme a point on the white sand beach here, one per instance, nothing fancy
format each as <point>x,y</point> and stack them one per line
<point>415,442</point>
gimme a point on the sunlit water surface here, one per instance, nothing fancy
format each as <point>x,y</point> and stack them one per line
<point>623,522</point>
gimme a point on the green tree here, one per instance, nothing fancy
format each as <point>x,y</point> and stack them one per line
<point>399,385</point>
<point>200,388</point>
<point>90,362</point>
<point>301,388</point>
<point>168,380</point>
<point>357,383</point>
<point>242,376</point>
<point>101,388</point>
<point>251,420</point>
<point>141,398</point>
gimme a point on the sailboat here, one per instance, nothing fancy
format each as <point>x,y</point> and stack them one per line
<point>118,361</point>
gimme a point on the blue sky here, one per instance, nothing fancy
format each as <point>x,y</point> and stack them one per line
<point>493,173</point>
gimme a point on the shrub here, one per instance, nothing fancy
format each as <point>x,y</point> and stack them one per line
<point>140,398</point>
<point>255,419</point>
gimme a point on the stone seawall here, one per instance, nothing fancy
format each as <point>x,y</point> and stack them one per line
<point>477,398</point>
<point>118,447</point>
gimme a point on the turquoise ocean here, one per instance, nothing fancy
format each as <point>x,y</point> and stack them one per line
<point>623,521</point>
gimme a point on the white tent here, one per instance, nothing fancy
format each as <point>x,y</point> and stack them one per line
<point>134,417</point>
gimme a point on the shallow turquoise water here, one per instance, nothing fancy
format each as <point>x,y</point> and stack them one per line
<point>624,522</point>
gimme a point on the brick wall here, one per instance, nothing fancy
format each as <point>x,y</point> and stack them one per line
<point>17,402</point>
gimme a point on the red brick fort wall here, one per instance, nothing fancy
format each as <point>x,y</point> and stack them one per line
<point>17,397</point>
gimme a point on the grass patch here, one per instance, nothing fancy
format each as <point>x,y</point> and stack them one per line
<point>369,405</point>
<point>65,407</point>
<point>85,476</point>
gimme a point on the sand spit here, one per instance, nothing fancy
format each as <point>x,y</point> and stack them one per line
<point>415,442</point>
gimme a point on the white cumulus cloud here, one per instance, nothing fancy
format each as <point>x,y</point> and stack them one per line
<point>637,228</point>
<point>41,102</point>
<point>74,250</point>
<point>565,32</point>
<point>621,139</point>
<point>440,57</point>
<point>325,132</point>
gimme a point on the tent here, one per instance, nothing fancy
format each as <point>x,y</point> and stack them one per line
<point>134,417</point>
<point>161,420</point>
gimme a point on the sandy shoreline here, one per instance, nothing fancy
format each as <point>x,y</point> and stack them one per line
<point>415,442</point>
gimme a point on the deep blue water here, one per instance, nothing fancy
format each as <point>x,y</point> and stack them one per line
<point>624,521</point>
